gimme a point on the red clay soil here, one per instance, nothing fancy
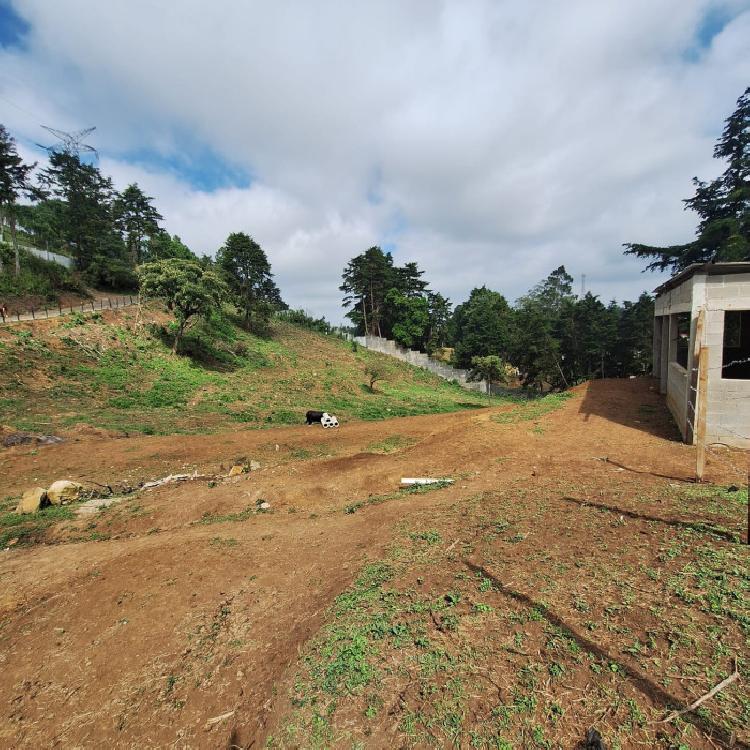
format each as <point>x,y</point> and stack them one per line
<point>141,637</point>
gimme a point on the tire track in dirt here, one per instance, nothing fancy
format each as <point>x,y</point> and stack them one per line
<point>163,630</point>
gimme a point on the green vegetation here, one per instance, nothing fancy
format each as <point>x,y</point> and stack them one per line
<point>37,277</point>
<point>390,444</point>
<point>114,376</point>
<point>723,232</point>
<point>527,410</point>
<point>28,528</point>
<point>188,290</point>
<point>415,489</point>
<point>461,656</point>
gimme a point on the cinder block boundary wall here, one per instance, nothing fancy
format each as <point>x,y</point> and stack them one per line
<point>420,359</point>
<point>728,405</point>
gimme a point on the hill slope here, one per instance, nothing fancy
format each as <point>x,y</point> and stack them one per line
<point>114,371</point>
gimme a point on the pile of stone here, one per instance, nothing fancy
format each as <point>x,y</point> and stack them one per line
<point>24,438</point>
<point>61,492</point>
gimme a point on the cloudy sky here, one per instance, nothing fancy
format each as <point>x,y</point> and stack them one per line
<point>489,141</point>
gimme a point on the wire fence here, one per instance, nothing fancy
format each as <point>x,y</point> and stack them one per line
<point>55,311</point>
<point>735,462</point>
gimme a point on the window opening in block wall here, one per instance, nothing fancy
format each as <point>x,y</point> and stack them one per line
<point>683,338</point>
<point>735,363</point>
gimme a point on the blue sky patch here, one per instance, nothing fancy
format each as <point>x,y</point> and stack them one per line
<point>197,165</point>
<point>710,26</point>
<point>13,28</point>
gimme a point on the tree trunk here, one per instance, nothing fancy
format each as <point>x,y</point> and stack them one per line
<point>177,337</point>
<point>14,240</point>
<point>364,315</point>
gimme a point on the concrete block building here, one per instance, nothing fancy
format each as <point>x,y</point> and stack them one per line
<point>722,292</point>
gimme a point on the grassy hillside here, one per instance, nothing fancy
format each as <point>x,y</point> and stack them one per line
<point>114,371</point>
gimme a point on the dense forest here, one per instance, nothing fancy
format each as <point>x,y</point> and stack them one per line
<point>552,336</point>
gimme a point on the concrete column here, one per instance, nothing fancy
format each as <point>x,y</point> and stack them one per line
<point>664,358</point>
<point>656,365</point>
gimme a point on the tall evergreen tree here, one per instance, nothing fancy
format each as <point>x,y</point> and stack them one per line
<point>439,311</point>
<point>88,222</point>
<point>136,219</point>
<point>634,339</point>
<point>161,245</point>
<point>410,318</point>
<point>249,276</point>
<point>366,281</point>
<point>481,326</point>
<point>14,182</point>
<point>723,205</point>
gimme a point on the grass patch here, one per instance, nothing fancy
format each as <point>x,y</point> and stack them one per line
<point>530,409</point>
<point>415,489</point>
<point>391,444</point>
<point>210,518</point>
<point>29,528</point>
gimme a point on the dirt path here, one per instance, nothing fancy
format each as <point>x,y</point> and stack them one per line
<point>194,606</point>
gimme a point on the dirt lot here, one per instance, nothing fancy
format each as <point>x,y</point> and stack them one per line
<point>571,577</point>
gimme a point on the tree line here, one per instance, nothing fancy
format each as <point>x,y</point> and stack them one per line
<point>117,242</point>
<point>553,337</point>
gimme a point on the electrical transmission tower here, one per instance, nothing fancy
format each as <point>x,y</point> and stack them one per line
<point>583,285</point>
<point>70,143</point>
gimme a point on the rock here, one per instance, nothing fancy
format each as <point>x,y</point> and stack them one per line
<point>63,492</point>
<point>236,470</point>
<point>254,465</point>
<point>32,500</point>
<point>60,631</point>
<point>23,438</point>
<point>17,438</point>
<point>48,440</point>
<point>264,506</point>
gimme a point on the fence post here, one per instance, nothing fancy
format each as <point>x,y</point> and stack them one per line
<point>46,312</point>
<point>109,299</point>
<point>33,317</point>
<point>700,427</point>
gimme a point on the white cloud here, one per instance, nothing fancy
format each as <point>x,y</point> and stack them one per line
<point>500,139</point>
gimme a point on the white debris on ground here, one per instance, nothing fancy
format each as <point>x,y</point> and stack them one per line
<point>408,481</point>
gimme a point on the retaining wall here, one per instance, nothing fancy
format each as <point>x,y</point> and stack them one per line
<point>62,260</point>
<point>420,359</point>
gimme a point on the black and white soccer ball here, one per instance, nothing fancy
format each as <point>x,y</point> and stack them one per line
<point>328,420</point>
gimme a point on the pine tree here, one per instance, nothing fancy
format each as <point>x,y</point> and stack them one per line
<point>723,205</point>
<point>14,182</point>
<point>366,281</point>
<point>87,222</point>
<point>481,326</point>
<point>136,219</point>
<point>249,276</point>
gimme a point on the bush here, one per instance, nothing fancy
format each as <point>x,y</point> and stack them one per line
<point>302,319</point>
<point>111,273</point>
<point>37,277</point>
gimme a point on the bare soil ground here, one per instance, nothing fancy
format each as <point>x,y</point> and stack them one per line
<point>571,577</point>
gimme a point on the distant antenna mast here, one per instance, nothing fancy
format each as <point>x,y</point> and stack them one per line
<point>583,285</point>
<point>70,143</point>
